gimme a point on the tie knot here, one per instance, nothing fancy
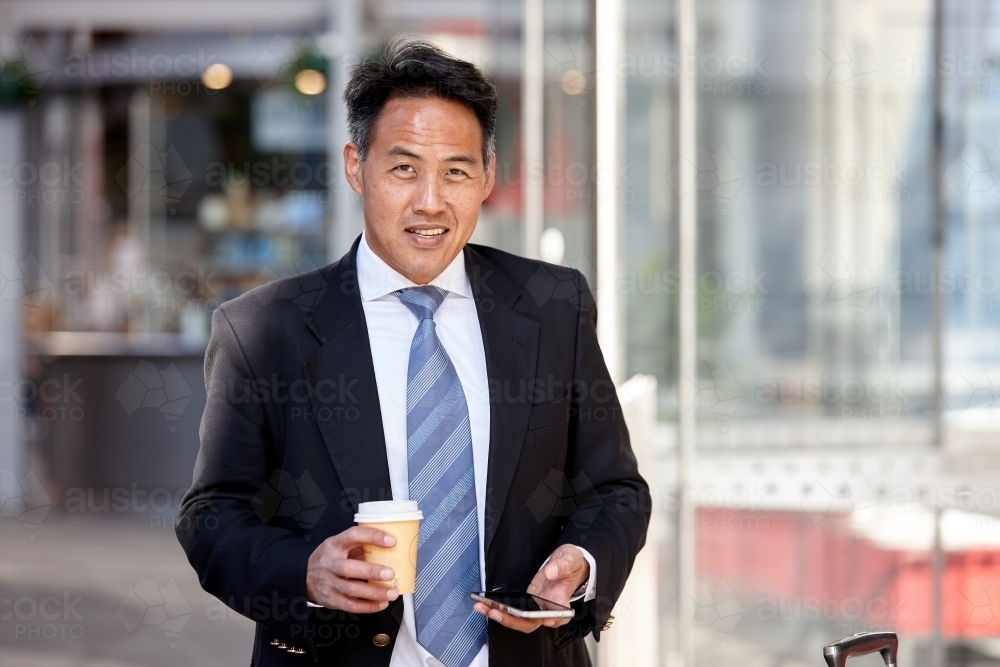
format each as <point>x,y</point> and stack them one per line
<point>423,301</point>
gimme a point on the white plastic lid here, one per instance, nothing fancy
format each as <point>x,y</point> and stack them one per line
<point>388,510</point>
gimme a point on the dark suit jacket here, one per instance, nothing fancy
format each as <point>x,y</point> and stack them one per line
<point>292,441</point>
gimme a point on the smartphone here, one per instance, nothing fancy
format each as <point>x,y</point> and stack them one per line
<point>522,605</point>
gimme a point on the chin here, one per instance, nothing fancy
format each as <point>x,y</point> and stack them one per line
<point>430,271</point>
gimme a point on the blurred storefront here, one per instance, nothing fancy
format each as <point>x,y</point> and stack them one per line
<point>172,163</point>
<point>158,157</point>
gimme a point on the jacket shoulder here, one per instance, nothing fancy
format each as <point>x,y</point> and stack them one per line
<point>284,297</point>
<point>547,286</point>
<point>521,270</point>
<point>277,313</point>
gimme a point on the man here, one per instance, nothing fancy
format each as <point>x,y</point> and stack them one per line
<point>415,367</point>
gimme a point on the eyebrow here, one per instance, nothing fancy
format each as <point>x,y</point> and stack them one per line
<point>399,150</point>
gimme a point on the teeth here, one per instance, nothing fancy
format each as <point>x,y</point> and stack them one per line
<point>429,232</point>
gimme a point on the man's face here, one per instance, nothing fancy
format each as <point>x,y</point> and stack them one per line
<point>421,184</point>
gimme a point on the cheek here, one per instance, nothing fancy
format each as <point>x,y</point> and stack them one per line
<point>467,203</point>
<point>389,201</point>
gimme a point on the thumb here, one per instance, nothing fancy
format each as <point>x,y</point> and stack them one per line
<point>559,568</point>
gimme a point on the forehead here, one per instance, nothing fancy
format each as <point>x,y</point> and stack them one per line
<point>427,121</point>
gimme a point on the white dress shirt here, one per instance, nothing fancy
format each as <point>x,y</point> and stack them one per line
<point>391,326</point>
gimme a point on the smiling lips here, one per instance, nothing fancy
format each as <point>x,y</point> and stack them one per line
<point>437,231</point>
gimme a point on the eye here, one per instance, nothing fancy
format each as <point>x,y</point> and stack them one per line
<point>405,168</point>
<point>455,171</point>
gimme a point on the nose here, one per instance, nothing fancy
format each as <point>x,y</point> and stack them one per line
<point>429,200</point>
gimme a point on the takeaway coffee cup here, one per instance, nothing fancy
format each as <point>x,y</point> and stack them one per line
<point>401,519</point>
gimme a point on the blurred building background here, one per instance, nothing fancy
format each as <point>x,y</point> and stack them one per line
<point>158,157</point>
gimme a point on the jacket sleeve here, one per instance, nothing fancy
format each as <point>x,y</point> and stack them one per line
<point>257,569</point>
<point>611,498</point>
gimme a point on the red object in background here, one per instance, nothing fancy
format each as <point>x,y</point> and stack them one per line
<point>803,566</point>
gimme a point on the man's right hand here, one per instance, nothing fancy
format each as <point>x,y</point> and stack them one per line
<point>336,575</point>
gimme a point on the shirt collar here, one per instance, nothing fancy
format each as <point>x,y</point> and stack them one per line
<point>377,279</point>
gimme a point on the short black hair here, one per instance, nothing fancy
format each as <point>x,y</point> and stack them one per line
<point>412,67</point>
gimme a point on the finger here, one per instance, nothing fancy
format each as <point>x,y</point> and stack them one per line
<point>354,606</point>
<point>561,567</point>
<point>359,569</point>
<point>538,584</point>
<point>364,591</point>
<point>359,535</point>
<point>555,622</point>
<point>330,598</point>
<point>520,624</point>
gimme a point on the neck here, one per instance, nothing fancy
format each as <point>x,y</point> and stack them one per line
<point>419,279</point>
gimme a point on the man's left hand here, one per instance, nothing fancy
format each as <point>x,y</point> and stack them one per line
<point>565,572</point>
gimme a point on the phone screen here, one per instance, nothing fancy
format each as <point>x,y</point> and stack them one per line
<point>524,601</point>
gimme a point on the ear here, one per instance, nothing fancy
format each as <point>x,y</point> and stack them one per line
<point>491,177</point>
<point>352,167</point>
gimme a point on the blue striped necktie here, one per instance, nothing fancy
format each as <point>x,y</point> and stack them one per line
<point>442,481</point>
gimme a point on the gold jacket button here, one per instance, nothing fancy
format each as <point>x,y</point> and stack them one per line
<point>380,640</point>
<point>607,624</point>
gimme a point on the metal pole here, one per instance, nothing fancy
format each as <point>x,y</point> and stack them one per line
<point>937,243</point>
<point>12,256</point>
<point>938,657</point>
<point>687,325</point>
<point>532,125</point>
<point>140,203</point>
<point>609,35</point>
<point>347,220</point>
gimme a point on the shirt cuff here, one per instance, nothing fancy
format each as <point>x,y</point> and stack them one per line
<point>587,591</point>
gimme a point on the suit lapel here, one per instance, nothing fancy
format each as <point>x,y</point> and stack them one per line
<point>346,405</point>
<point>510,340</point>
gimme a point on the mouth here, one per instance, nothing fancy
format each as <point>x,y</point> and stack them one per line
<point>427,232</point>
